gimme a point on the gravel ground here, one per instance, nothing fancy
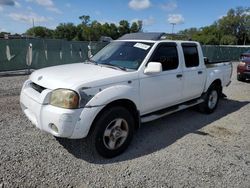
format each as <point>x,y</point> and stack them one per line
<point>185,149</point>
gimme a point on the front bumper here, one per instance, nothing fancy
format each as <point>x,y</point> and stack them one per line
<point>67,123</point>
<point>244,74</point>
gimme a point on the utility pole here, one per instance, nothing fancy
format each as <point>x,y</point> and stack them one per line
<point>33,22</point>
<point>33,25</point>
<point>173,24</point>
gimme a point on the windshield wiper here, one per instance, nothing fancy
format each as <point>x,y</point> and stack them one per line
<point>115,66</point>
<point>91,61</point>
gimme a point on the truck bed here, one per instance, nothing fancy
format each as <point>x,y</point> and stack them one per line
<point>217,63</point>
<point>221,70</point>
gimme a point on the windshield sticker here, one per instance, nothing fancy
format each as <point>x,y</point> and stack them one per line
<point>142,46</point>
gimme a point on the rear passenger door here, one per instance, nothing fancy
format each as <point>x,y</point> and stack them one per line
<point>163,89</point>
<point>193,72</point>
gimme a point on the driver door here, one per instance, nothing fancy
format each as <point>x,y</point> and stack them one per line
<point>161,90</point>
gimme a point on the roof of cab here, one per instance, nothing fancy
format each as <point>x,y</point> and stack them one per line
<point>142,36</point>
<point>150,37</point>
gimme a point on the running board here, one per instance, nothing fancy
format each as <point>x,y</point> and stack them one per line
<point>161,113</point>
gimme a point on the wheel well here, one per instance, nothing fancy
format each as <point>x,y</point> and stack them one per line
<point>218,84</point>
<point>128,104</point>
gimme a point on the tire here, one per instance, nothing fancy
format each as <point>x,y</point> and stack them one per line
<point>240,78</point>
<point>211,100</point>
<point>113,132</point>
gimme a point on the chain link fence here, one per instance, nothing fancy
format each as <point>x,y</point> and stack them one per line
<point>25,54</point>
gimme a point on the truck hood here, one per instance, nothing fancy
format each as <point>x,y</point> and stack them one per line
<point>72,76</point>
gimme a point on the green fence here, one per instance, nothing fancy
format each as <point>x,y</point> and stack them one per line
<point>20,54</point>
<point>223,53</point>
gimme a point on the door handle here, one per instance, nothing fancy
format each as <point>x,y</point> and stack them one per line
<point>179,75</point>
<point>199,72</point>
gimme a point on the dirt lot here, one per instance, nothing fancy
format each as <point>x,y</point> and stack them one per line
<point>186,149</point>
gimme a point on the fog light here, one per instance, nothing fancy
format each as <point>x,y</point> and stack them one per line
<point>53,127</point>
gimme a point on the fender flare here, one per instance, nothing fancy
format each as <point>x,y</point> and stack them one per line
<point>114,93</point>
<point>211,79</point>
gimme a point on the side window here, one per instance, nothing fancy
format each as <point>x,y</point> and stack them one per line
<point>191,55</point>
<point>167,55</point>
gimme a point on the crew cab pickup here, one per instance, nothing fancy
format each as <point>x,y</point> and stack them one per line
<point>135,79</point>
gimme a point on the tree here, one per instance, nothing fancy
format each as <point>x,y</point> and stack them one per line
<point>96,30</point>
<point>123,27</point>
<point>136,27</point>
<point>208,35</point>
<point>189,33</point>
<point>85,20</point>
<point>40,31</point>
<point>113,31</point>
<point>235,23</point>
<point>234,28</point>
<point>2,34</point>
<point>205,35</point>
<point>65,31</point>
<point>228,39</point>
<point>92,31</point>
<point>87,30</point>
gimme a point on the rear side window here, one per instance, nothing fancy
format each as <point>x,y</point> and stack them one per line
<point>191,55</point>
<point>167,55</point>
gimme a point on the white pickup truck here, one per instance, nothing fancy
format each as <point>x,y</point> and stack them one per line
<point>135,79</point>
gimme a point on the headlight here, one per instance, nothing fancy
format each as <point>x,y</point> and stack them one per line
<point>243,64</point>
<point>64,98</point>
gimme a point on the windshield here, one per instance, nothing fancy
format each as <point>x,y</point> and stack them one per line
<point>128,55</point>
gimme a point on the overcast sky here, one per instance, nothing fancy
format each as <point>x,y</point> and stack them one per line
<point>16,15</point>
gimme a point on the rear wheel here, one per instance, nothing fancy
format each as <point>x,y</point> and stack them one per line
<point>113,132</point>
<point>211,100</point>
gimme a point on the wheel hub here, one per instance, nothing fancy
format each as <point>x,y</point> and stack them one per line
<point>213,97</point>
<point>115,134</point>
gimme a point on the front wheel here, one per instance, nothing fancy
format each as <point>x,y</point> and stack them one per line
<point>211,100</point>
<point>113,131</point>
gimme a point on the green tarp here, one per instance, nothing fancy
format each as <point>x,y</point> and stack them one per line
<point>20,54</point>
<point>223,53</point>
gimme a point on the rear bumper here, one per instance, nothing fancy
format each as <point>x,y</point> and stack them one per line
<point>67,123</point>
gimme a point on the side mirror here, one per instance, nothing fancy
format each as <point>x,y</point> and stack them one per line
<point>206,60</point>
<point>153,67</point>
